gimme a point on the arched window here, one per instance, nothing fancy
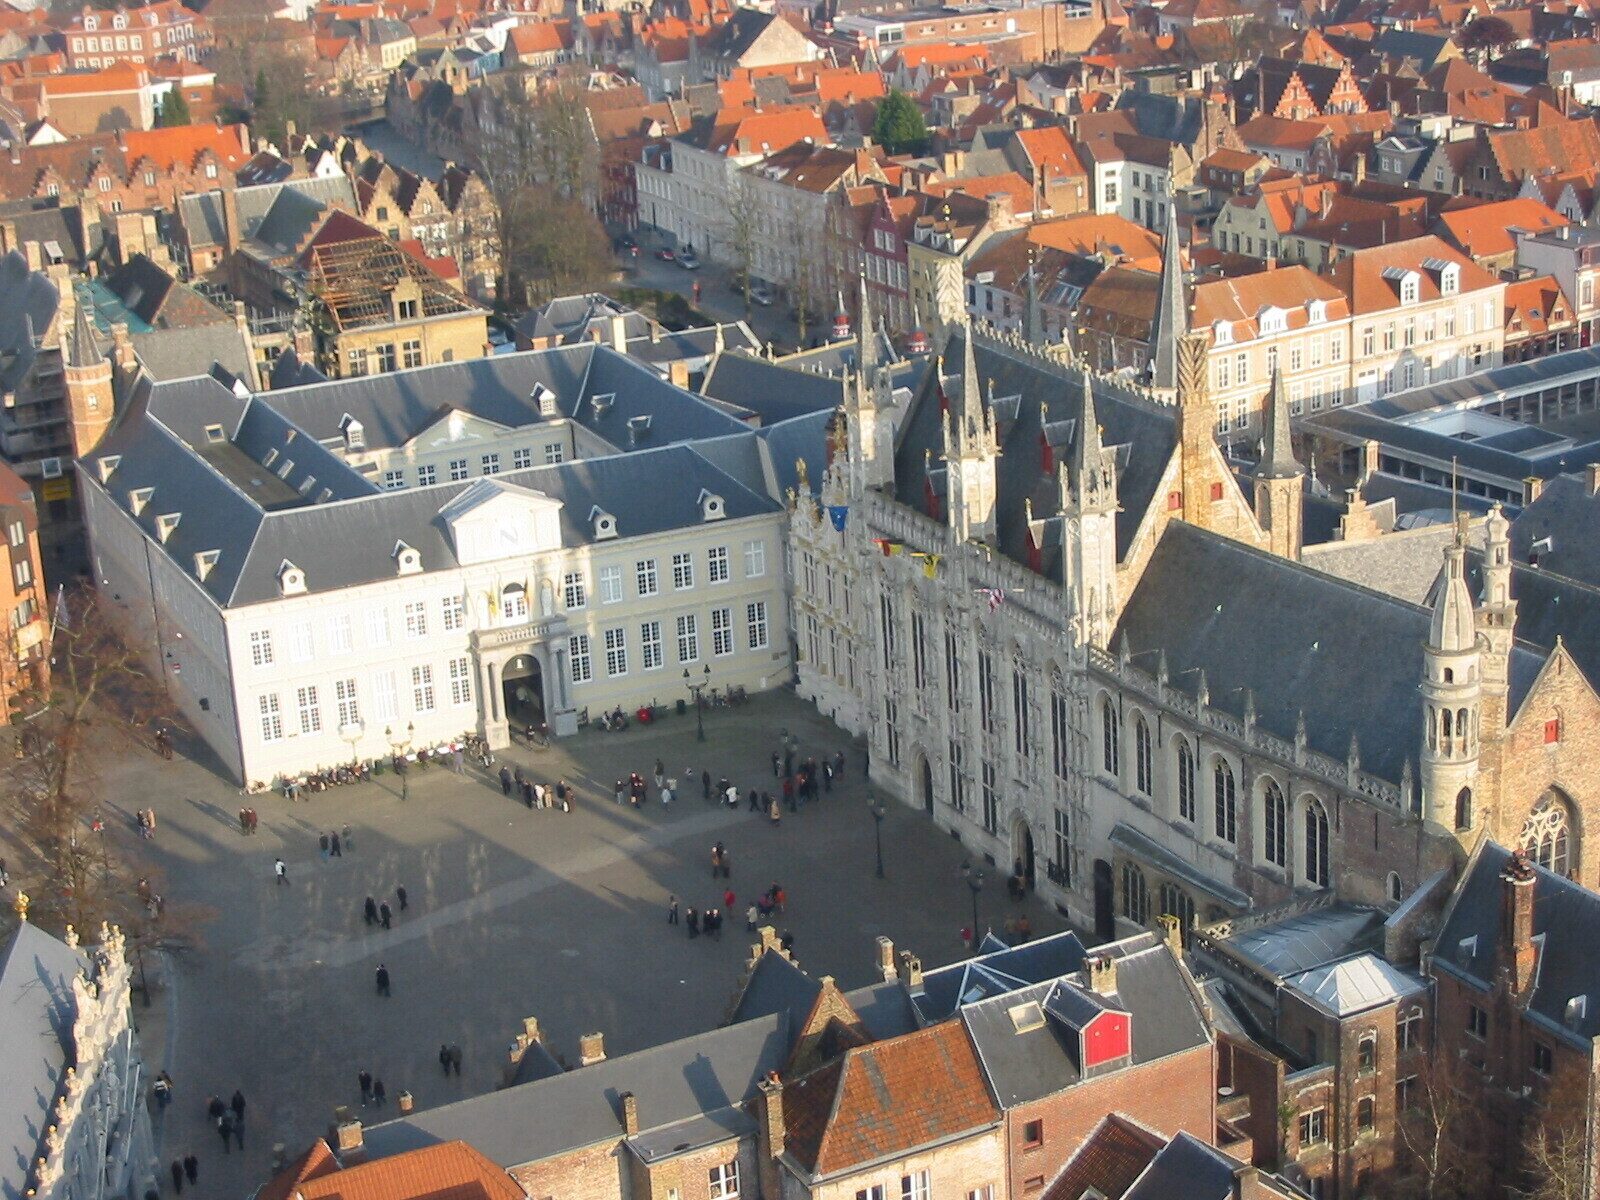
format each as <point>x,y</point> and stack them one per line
<point>1135,896</point>
<point>1141,756</point>
<point>1316,842</point>
<point>1111,738</point>
<point>1175,902</point>
<point>1227,801</point>
<point>1367,1052</point>
<point>514,602</point>
<point>1276,815</point>
<point>1395,887</point>
<point>1185,781</point>
<point>1547,835</point>
<point>1464,809</point>
<point>1464,730</point>
<point>1365,1112</point>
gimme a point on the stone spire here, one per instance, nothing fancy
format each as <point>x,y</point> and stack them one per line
<point>82,348</point>
<point>1035,325</point>
<point>1277,456</point>
<point>971,408</point>
<point>866,339</point>
<point>1092,485</point>
<point>1171,322</point>
<point>1452,629</point>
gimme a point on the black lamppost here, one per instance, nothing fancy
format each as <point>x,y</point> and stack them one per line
<point>399,747</point>
<point>695,689</point>
<point>878,813</point>
<point>975,882</point>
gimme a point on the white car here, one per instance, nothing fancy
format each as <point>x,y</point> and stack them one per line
<point>688,260</point>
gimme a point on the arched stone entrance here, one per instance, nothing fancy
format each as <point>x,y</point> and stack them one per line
<point>522,692</point>
<point>1022,848</point>
<point>924,778</point>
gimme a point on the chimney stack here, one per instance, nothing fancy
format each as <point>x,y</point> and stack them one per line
<point>630,1114</point>
<point>911,972</point>
<point>886,966</point>
<point>1516,923</point>
<point>348,1139</point>
<point>1172,933</point>
<point>1591,479</point>
<point>772,1114</point>
<point>591,1049</point>
<point>1103,975</point>
<point>619,333</point>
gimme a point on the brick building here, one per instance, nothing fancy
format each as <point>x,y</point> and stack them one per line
<point>163,29</point>
<point>24,660</point>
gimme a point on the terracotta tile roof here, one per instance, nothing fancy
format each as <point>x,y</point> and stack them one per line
<point>448,1171</point>
<point>182,145</point>
<point>317,1160</point>
<point>1366,276</point>
<point>1282,134</point>
<point>887,1098</point>
<point>1108,234</point>
<point>1536,306</point>
<point>1233,160</point>
<point>1489,229</point>
<point>1240,300</point>
<point>541,37</point>
<point>1051,149</point>
<point>1109,1160</point>
<point>120,78</point>
<point>747,132</point>
<point>1522,152</point>
<point>983,187</point>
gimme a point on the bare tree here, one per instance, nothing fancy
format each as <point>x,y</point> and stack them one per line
<point>1556,1157</point>
<point>1442,1134</point>
<point>66,834</point>
<point>806,252</point>
<point>741,229</point>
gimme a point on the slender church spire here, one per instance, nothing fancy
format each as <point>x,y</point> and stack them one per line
<point>866,337</point>
<point>1171,322</point>
<point>1277,455</point>
<point>1093,487</point>
<point>1035,315</point>
<point>82,349</point>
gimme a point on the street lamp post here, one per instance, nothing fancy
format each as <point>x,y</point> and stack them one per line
<point>878,813</point>
<point>695,689</point>
<point>398,747</point>
<point>975,883</point>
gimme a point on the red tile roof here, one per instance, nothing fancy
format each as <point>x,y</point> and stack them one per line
<point>1536,306</point>
<point>1366,276</point>
<point>447,1171</point>
<point>1488,229</point>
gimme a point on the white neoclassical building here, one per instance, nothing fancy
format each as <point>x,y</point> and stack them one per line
<point>333,572</point>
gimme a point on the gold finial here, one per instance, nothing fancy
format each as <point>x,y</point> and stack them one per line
<point>20,905</point>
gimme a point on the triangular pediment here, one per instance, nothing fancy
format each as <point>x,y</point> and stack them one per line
<point>490,519</point>
<point>452,427</point>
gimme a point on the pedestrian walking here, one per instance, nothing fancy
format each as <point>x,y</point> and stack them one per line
<point>827,777</point>
<point>349,840</point>
<point>177,1176</point>
<point>540,794</point>
<point>385,914</point>
<point>693,921</point>
<point>382,978</point>
<point>755,800</point>
<point>322,845</point>
<point>237,1104</point>
<point>364,1082</point>
<point>191,1168</point>
<point>444,1058</point>
<point>379,1095</point>
<point>281,871</point>
<point>622,793</point>
<point>565,796</point>
<point>774,814</point>
<point>705,783</point>
<point>370,911</point>
<point>400,895</point>
<point>505,781</point>
<point>162,1090</point>
<point>456,761</point>
<point>526,789</point>
<point>333,846</point>
<point>727,898</point>
<point>672,910</point>
<point>750,918</point>
<point>455,1058</point>
<point>215,1108</point>
<point>255,822</point>
<point>225,1131</point>
<point>777,762</point>
<point>244,821</point>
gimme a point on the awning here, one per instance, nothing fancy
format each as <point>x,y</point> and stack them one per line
<point>1147,850</point>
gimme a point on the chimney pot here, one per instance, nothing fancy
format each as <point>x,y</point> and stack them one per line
<point>886,959</point>
<point>630,1114</point>
<point>1516,922</point>
<point>911,972</point>
<point>530,1029</point>
<point>351,1143</point>
<point>1103,975</point>
<point>1591,479</point>
<point>591,1049</point>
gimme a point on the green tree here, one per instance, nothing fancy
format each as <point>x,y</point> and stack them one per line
<point>174,110</point>
<point>899,127</point>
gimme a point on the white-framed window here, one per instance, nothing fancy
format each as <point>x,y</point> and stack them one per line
<point>416,619</point>
<point>682,572</point>
<point>458,470</point>
<point>578,652</point>
<point>915,1186</point>
<point>717,565</point>
<point>986,1192</point>
<point>305,699</point>
<point>553,453</point>
<point>300,646</point>
<point>521,459</point>
<point>755,559</point>
<point>514,602</point>
<point>261,647</point>
<point>650,645</point>
<point>645,574</point>
<point>460,681</point>
<point>573,592</point>
<point>271,718</point>
<point>344,694</point>
<point>427,475</point>
<point>385,696</point>
<point>688,638</point>
<point>871,1192</point>
<point>721,631</point>
<point>616,651</point>
<point>411,354</point>
<point>341,634</point>
<point>755,617</point>
<point>393,481</point>
<point>490,463</point>
<point>610,585</point>
<point>377,627</point>
<point>422,688</point>
<point>455,612</point>
<point>725,1181</point>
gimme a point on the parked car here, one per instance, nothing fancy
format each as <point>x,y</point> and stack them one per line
<point>761,293</point>
<point>688,259</point>
<point>665,254</point>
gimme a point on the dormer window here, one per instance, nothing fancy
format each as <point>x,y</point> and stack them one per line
<point>711,506</point>
<point>165,524</point>
<point>1316,311</point>
<point>204,561</point>
<point>138,498</point>
<point>407,561</point>
<point>602,403</point>
<point>291,579</point>
<point>605,525</point>
<point>1450,279</point>
<point>1410,288</point>
<point>108,464</point>
<point>1274,320</point>
<point>1222,333</point>
<point>355,434</point>
<point>90,24</point>
<point>545,399</point>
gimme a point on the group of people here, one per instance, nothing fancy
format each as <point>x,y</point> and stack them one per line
<point>516,781</point>
<point>709,921</point>
<point>372,1090</point>
<point>379,913</point>
<point>249,822</point>
<point>228,1119</point>
<point>146,819</point>
<point>334,844</point>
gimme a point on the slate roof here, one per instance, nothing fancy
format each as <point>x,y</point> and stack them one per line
<point>887,1098</point>
<point>1298,639</point>
<point>1566,916</point>
<point>702,1075</point>
<point>1567,513</point>
<point>180,353</point>
<point>1006,968</point>
<point>1186,1169</point>
<point>1355,984</point>
<point>31,302</point>
<point>1283,948</point>
<point>1143,435</point>
<point>1040,1059</point>
<point>773,391</point>
<point>36,1014</point>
